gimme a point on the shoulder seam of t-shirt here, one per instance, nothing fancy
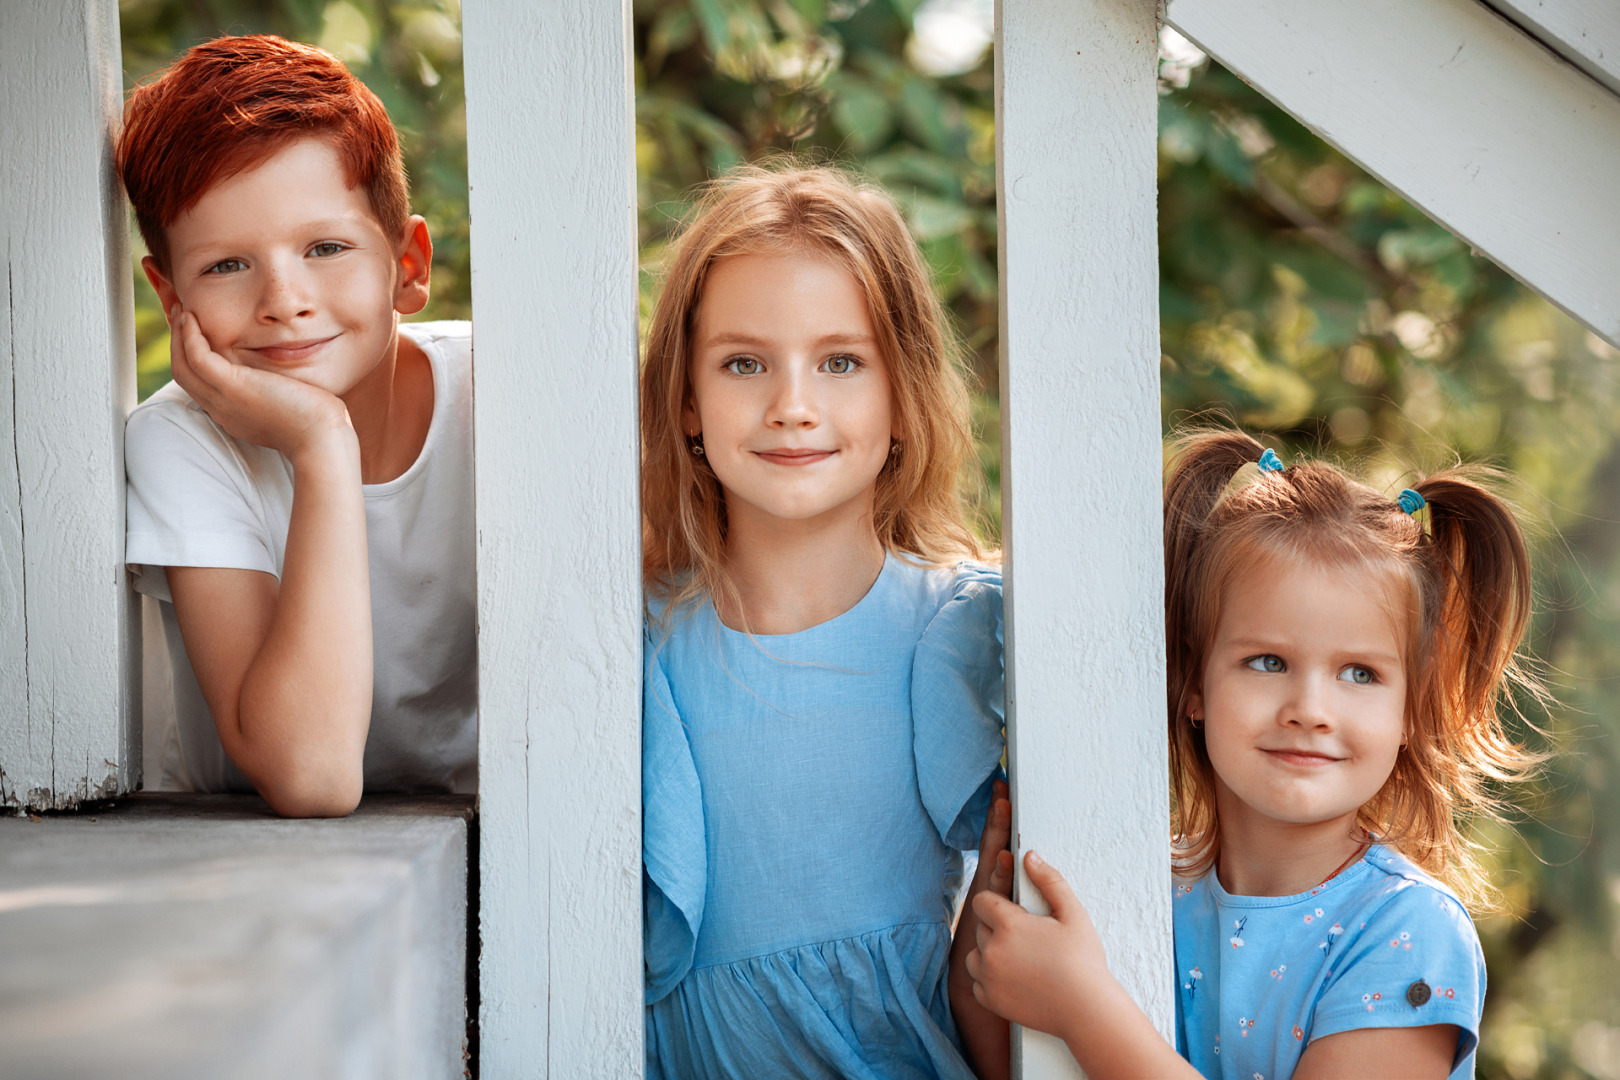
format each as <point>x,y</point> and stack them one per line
<point>1402,868</point>
<point>163,409</point>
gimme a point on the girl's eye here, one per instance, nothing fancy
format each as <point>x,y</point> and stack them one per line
<point>840,365</point>
<point>1357,674</point>
<point>1269,662</point>
<point>743,365</point>
<point>226,266</point>
<point>330,247</point>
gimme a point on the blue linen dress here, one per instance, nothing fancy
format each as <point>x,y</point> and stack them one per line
<point>806,800</point>
<point>1381,945</point>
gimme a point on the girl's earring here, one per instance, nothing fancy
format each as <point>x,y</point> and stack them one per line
<point>894,449</point>
<point>697,445</point>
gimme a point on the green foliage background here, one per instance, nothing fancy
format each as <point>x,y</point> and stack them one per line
<point>1296,291</point>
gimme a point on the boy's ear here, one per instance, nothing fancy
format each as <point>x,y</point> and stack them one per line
<point>160,284</point>
<point>415,255</point>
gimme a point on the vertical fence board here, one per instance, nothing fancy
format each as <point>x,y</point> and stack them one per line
<point>1076,123</point>
<point>69,674</point>
<point>549,146</point>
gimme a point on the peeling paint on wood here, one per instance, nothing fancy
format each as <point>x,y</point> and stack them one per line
<point>69,718</point>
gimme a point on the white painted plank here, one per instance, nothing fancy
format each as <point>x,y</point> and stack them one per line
<point>69,664</point>
<point>1462,113</point>
<point>549,146</point>
<point>1076,123</point>
<point>1584,32</point>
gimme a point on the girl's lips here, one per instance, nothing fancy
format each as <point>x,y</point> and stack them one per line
<point>794,457</point>
<point>1302,758</point>
<point>292,350</point>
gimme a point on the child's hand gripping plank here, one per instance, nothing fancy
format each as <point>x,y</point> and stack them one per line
<point>1048,972</point>
<point>285,665</point>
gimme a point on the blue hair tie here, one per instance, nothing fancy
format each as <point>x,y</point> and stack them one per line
<point>1416,506</point>
<point>1250,472</point>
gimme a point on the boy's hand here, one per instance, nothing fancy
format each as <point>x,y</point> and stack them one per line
<point>1035,970</point>
<point>260,407</point>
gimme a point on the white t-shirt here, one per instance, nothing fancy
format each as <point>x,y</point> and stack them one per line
<point>198,497</point>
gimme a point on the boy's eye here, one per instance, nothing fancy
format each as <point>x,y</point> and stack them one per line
<point>1357,674</point>
<point>226,266</point>
<point>328,248</point>
<point>743,365</point>
<point>1268,662</point>
<point>840,365</point>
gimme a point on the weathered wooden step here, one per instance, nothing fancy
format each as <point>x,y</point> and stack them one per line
<point>201,936</point>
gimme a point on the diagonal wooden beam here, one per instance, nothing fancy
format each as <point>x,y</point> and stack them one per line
<point>1463,113</point>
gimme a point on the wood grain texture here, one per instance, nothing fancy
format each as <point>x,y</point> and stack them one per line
<point>1473,121</point>
<point>69,665</point>
<point>1076,122</point>
<point>1584,32</point>
<point>549,146</point>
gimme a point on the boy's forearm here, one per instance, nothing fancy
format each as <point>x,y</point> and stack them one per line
<point>305,704</point>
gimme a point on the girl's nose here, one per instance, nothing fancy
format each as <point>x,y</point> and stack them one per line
<point>1307,707</point>
<point>794,403</point>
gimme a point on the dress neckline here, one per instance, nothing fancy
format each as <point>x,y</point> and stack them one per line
<point>878,583</point>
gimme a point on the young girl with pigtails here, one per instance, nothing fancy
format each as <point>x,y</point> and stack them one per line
<point>822,725</point>
<point>1336,660</point>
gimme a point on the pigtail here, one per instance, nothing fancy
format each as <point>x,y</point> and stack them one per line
<point>1202,463</point>
<point>1476,566</point>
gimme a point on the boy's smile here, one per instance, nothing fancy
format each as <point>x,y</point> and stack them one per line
<point>1304,695</point>
<point>790,391</point>
<point>287,268</point>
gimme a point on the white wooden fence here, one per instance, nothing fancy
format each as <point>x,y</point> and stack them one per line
<point>550,138</point>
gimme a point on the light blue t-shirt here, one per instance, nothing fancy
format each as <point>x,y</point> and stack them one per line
<point>1381,945</point>
<point>806,799</point>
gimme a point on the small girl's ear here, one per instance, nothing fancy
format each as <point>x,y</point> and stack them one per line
<point>691,423</point>
<point>1195,708</point>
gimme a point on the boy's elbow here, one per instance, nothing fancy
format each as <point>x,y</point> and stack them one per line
<point>314,794</point>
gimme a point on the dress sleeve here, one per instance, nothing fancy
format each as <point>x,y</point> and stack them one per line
<point>673,849</point>
<point>1416,961</point>
<point>956,707</point>
<point>189,500</point>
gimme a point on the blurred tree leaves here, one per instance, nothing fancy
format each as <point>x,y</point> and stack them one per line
<point>1297,293</point>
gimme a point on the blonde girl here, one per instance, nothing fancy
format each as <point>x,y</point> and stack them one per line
<point>1336,658</point>
<point>822,722</point>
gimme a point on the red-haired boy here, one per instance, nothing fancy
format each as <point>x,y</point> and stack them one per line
<point>300,497</point>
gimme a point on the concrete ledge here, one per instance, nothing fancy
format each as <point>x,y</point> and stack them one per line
<point>200,936</point>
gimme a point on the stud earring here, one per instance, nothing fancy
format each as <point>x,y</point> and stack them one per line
<point>696,444</point>
<point>894,449</point>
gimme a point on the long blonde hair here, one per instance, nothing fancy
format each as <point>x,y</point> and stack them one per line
<point>1468,578</point>
<point>918,508</point>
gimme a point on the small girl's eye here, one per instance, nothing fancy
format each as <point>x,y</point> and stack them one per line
<point>743,365</point>
<point>1269,662</point>
<point>839,365</point>
<point>328,248</point>
<point>226,266</point>
<point>1356,674</point>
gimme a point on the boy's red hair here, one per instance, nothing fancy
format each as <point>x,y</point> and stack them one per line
<point>229,104</point>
